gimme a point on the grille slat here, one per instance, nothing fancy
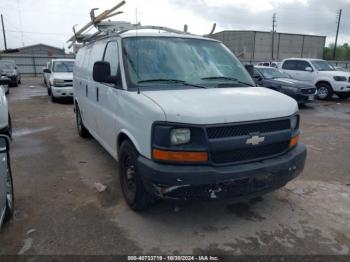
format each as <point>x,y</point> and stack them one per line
<point>246,129</point>
<point>250,153</point>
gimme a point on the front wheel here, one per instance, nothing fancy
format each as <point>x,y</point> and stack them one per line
<point>132,186</point>
<point>53,98</point>
<point>82,130</point>
<point>324,91</point>
<point>9,193</point>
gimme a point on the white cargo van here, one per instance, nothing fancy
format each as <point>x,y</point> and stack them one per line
<point>184,118</point>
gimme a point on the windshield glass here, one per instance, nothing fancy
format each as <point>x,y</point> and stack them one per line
<point>322,65</point>
<point>271,73</point>
<point>63,66</point>
<point>182,59</point>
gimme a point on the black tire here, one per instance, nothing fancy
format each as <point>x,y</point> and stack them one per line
<point>9,127</point>
<point>324,91</point>
<point>10,205</point>
<point>49,91</point>
<point>133,189</point>
<point>82,130</point>
<point>53,98</point>
<point>343,96</point>
<point>8,91</point>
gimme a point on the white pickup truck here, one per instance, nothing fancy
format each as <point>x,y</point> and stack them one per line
<point>321,74</point>
<point>184,118</point>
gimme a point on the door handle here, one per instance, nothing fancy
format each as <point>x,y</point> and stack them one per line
<point>97,94</point>
<point>87,90</point>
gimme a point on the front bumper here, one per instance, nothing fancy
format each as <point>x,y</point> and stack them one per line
<point>190,182</point>
<point>341,87</point>
<point>66,91</point>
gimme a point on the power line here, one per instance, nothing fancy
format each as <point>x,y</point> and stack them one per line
<point>3,32</point>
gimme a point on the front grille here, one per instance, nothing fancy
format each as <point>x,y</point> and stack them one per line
<point>249,153</point>
<point>246,129</point>
<point>308,91</point>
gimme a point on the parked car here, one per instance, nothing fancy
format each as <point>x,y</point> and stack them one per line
<point>184,118</point>
<point>46,75</point>
<point>5,118</point>
<point>5,80</point>
<point>280,81</point>
<point>9,68</point>
<point>321,74</point>
<point>6,184</point>
<point>60,79</point>
<point>270,64</point>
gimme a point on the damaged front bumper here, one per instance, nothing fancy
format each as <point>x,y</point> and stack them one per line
<point>193,182</point>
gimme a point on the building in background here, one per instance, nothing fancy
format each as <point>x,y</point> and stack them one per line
<point>40,49</point>
<point>257,45</point>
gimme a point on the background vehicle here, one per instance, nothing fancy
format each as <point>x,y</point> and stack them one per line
<point>270,64</point>
<point>9,68</point>
<point>150,99</point>
<point>280,81</point>
<point>5,80</point>
<point>46,75</point>
<point>60,81</point>
<point>321,74</point>
<point>6,184</point>
<point>5,119</point>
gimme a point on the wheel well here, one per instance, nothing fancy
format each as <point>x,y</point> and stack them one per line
<point>323,82</point>
<point>121,138</point>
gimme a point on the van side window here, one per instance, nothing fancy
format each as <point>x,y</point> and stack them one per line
<point>290,65</point>
<point>111,56</point>
<point>301,65</point>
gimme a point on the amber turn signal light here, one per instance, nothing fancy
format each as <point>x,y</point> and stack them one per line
<point>294,141</point>
<point>175,156</point>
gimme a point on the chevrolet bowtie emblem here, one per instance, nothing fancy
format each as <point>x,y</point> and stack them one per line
<point>255,140</point>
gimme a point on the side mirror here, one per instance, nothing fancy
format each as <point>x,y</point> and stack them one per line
<point>102,73</point>
<point>46,70</point>
<point>4,143</point>
<point>4,81</point>
<point>309,69</point>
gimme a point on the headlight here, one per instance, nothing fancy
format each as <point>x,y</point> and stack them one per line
<point>58,82</point>
<point>294,122</point>
<point>340,78</point>
<point>180,136</point>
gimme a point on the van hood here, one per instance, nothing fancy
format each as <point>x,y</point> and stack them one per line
<point>63,76</point>
<point>222,105</point>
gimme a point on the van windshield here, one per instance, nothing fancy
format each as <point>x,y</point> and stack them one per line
<point>161,60</point>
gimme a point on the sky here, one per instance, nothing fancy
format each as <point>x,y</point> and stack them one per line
<point>50,22</point>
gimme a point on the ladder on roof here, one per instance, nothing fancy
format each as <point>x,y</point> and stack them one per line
<point>108,27</point>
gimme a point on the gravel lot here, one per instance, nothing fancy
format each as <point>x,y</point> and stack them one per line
<point>59,211</point>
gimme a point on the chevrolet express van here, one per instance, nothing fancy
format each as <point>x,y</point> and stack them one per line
<point>184,119</point>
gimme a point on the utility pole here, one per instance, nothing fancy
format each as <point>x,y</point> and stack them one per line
<point>273,35</point>
<point>3,32</point>
<point>336,36</point>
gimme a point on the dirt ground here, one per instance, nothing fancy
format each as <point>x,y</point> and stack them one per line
<point>59,211</point>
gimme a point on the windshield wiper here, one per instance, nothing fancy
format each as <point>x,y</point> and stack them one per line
<point>225,78</point>
<point>175,81</point>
